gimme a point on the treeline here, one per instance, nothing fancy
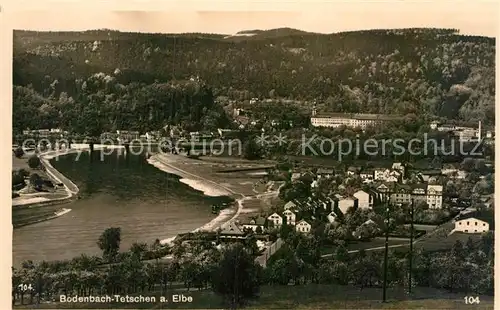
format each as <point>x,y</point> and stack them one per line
<point>463,268</point>
<point>421,71</point>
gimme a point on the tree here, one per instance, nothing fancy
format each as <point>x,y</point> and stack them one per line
<point>17,178</point>
<point>18,152</point>
<point>278,272</point>
<point>237,277</point>
<point>340,272</point>
<point>36,181</point>
<point>251,150</point>
<point>297,189</point>
<point>109,243</point>
<point>341,253</point>
<point>138,249</point>
<point>189,273</point>
<point>258,230</point>
<point>34,162</point>
<point>458,250</point>
<point>251,244</point>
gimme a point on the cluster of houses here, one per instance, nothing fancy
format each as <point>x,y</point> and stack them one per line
<point>198,136</point>
<point>45,133</point>
<point>335,206</point>
<point>299,214</point>
<point>130,135</point>
<point>386,183</point>
<point>465,134</point>
<point>380,184</point>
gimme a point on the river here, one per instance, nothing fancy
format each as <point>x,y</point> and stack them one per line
<point>118,191</point>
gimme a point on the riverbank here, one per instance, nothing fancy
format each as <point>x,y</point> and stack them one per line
<point>29,209</point>
<point>34,208</point>
<point>71,190</point>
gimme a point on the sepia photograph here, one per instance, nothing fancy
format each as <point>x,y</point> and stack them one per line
<point>322,156</point>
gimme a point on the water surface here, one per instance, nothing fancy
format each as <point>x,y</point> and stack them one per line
<point>119,191</point>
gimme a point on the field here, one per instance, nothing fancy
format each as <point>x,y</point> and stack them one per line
<point>436,240</point>
<point>437,244</point>
<point>308,297</point>
<point>375,244</point>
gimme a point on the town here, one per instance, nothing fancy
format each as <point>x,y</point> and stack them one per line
<point>316,197</point>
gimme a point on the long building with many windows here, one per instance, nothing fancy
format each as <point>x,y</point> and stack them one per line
<point>352,120</point>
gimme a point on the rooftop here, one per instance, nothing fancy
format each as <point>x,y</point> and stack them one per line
<point>231,229</point>
<point>325,170</point>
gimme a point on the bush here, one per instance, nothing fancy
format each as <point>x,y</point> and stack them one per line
<point>36,181</point>
<point>18,152</point>
<point>17,178</point>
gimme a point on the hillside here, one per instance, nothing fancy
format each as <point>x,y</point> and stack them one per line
<point>425,72</point>
<point>257,34</point>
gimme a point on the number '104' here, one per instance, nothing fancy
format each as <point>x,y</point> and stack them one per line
<point>25,287</point>
<point>471,300</point>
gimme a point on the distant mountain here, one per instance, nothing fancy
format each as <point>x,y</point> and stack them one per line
<point>426,72</point>
<point>265,34</point>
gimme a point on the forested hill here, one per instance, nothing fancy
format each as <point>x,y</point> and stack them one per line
<point>421,71</point>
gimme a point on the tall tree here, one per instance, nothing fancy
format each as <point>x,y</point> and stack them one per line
<point>237,277</point>
<point>34,162</point>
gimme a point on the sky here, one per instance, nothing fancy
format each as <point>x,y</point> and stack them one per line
<point>230,16</point>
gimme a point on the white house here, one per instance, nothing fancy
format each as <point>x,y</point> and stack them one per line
<point>352,120</point>
<point>398,167</point>
<point>295,176</point>
<point>386,175</point>
<point>392,178</point>
<point>303,227</point>
<point>471,225</point>
<point>382,188</point>
<point>396,173</point>
<point>326,203</point>
<point>314,184</point>
<point>366,175</point>
<point>352,170</point>
<point>454,173</point>
<point>435,196</point>
<point>150,136</point>
<point>381,174</point>
<point>324,173</point>
<point>254,223</point>
<point>367,229</point>
<point>231,231</point>
<point>276,219</point>
<point>289,217</point>
<point>365,200</point>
